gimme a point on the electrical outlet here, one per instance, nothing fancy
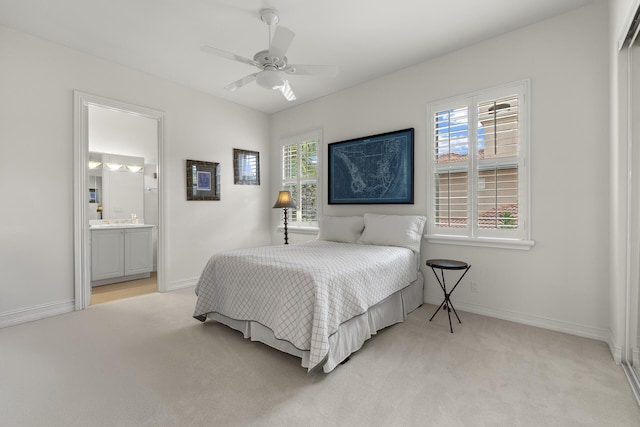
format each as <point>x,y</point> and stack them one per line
<point>474,287</point>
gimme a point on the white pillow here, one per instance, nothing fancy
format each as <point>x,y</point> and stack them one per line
<point>393,230</point>
<point>344,229</point>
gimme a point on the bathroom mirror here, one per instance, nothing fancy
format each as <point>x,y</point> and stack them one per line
<point>116,187</point>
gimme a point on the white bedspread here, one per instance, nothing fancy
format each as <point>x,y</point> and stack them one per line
<point>302,292</point>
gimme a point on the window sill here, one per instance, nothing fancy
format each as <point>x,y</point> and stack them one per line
<point>299,230</point>
<point>485,242</point>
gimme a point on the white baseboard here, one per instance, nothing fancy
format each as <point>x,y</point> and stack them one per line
<point>529,319</point>
<point>43,311</point>
<point>181,284</point>
<point>37,312</point>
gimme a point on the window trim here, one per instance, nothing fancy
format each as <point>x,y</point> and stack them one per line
<point>486,242</point>
<point>469,235</point>
<point>297,226</point>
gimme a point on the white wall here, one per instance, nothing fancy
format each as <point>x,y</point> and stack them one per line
<point>115,132</point>
<point>37,80</point>
<point>562,283</point>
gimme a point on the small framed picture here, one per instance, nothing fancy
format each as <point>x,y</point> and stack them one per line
<point>203,180</point>
<point>246,167</point>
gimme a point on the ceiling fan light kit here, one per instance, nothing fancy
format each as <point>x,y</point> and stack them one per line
<point>269,79</point>
<point>273,62</point>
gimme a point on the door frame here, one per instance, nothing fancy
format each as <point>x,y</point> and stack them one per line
<point>82,249</point>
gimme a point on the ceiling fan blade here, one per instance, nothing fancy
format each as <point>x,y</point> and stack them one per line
<point>312,70</point>
<point>287,92</point>
<point>229,55</point>
<point>239,83</point>
<point>282,38</point>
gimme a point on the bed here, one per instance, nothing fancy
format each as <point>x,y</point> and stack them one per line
<point>319,300</point>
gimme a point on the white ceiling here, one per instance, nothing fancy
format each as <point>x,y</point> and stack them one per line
<point>365,38</point>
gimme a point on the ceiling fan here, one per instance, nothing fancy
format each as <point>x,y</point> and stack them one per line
<point>273,63</point>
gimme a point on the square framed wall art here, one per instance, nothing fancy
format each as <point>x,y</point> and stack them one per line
<point>246,167</point>
<point>203,180</point>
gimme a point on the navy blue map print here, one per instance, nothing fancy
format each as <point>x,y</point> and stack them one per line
<point>374,170</point>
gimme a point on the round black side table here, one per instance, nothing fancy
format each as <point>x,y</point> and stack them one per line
<point>447,264</point>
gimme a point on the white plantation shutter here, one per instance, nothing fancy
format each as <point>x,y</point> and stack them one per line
<point>290,173</point>
<point>497,171</point>
<point>451,199</point>
<point>289,162</point>
<point>451,135</point>
<point>451,160</point>
<point>478,151</point>
<point>497,206</point>
<point>300,176</point>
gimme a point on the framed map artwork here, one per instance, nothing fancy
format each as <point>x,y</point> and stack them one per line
<point>372,170</point>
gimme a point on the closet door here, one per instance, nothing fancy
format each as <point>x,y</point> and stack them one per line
<point>634,129</point>
<point>628,125</point>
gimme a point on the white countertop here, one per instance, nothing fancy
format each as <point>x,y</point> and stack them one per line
<point>120,225</point>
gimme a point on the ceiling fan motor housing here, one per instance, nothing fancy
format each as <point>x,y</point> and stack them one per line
<point>265,59</point>
<point>269,16</point>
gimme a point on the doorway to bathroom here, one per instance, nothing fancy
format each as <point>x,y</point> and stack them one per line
<point>118,214</point>
<point>123,198</point>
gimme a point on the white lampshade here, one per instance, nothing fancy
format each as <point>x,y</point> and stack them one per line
<point>270,79</point>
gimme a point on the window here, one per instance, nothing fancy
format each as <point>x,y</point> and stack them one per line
<point>300,176</point>
<point>478,159</point>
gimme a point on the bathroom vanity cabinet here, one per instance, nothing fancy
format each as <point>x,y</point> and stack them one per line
<point>119,254</point>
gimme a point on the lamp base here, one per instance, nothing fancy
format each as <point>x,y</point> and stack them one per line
<point>286,234</point>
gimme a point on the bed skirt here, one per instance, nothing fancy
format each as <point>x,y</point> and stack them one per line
<point>350,336</point>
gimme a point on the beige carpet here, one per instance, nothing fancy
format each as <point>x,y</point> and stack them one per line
<point>145,362</point>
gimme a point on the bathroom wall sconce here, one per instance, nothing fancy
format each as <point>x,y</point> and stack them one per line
<point>94,164</point>
<point>134,168</point>
<point>114,166</point>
